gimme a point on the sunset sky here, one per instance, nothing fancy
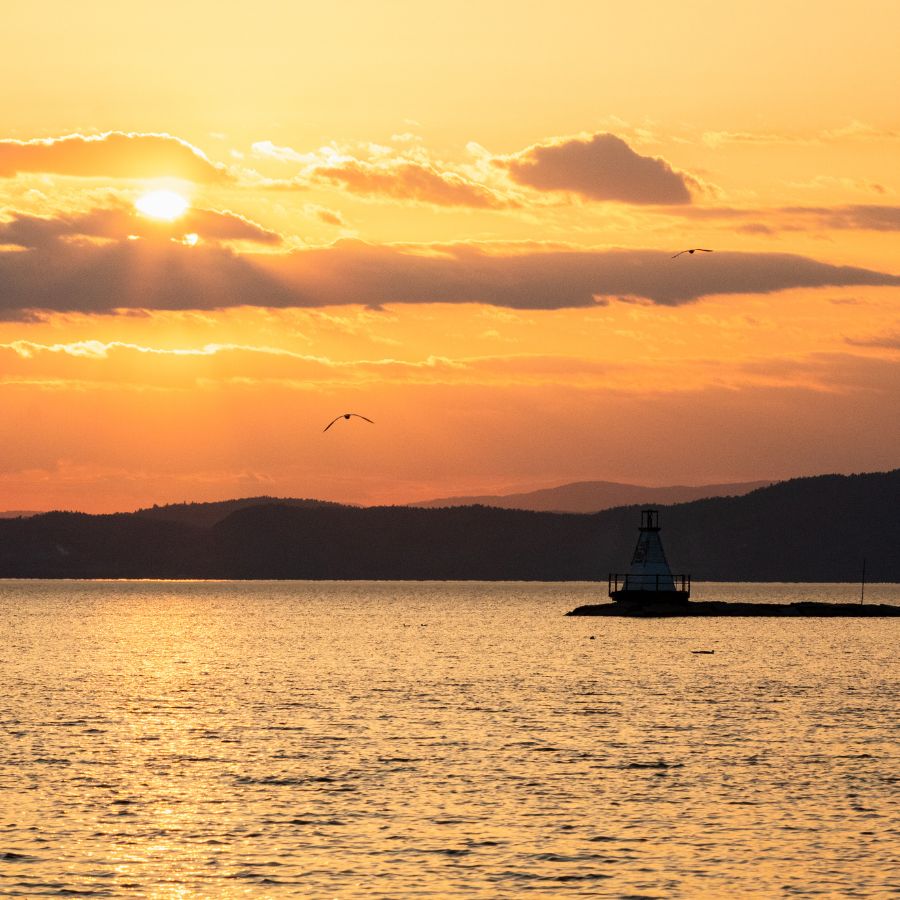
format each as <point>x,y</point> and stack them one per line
<point>221,225</point>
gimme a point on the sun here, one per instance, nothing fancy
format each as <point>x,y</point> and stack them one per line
<point>165,205</point>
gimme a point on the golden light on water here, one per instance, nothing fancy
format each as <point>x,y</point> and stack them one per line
<point>162,204</point>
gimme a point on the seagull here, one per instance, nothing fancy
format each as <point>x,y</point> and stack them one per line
<point>694,250</point>
<point>345,416</point>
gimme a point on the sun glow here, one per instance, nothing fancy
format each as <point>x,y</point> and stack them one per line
<point>166,205</point>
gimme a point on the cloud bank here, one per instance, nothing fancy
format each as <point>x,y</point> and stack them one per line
<point>56,265</point>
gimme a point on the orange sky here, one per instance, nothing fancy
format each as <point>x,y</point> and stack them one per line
<point>458,221</point>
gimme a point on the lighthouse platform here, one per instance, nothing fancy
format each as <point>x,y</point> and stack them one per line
<point>663,610</point>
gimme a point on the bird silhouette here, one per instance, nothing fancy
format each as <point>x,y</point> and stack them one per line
<point>345,416</point>
<point>694,250</point>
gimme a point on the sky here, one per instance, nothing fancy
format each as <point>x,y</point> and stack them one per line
<point>222,225</point>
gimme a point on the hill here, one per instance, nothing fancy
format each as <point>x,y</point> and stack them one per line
<point>207,514</point>
<point>594,496</point>
<point>807,529</point>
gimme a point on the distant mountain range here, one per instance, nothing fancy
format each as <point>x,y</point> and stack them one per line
<point>805,529</point>
<point>593,496</point>
<point>579,497</point>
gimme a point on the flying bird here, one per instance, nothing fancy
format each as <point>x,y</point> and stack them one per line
<point>345,416</point>
<point>694,250</point>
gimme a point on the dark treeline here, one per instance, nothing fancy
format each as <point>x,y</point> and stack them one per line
<point>807,529</point>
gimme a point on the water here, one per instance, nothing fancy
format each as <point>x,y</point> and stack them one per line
<point>223,739</point>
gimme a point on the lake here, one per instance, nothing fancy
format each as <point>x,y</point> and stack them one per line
<point>441,739</point>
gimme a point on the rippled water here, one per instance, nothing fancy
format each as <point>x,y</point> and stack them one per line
<point>219,739</point>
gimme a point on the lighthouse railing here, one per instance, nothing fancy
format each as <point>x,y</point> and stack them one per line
<point>658,582</point>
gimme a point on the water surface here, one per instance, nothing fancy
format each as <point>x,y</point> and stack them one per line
<point>225,739</point>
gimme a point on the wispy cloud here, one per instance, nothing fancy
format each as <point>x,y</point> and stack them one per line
<point>852,131</point>
<point>402,180</point>
<point>94,349</point>
<point>864,217</point>
<point>75,364</point>
<point>858,216</point>
<point>888,341</point>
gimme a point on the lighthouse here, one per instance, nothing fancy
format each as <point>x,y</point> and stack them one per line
<point>649,578</point>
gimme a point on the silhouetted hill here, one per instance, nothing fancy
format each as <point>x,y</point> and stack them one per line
<point>807,529</point>
<point>123,545</point>
<point>390,542</point>
<point>594,496</point>
<point>207,514</point>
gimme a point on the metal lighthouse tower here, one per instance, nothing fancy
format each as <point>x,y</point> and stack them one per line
<point>649,579</point>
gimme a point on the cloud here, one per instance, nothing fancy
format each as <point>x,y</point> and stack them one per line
<point>858,131</point>
<point>267,149</point>
<point>865,217</point>
<point>890,341</point>
<point>402,180</point>
<point>53,273</point>
<point>116,364</point>
<point>114,154</point>
<point>405,180</point>
<point>540,278</point>
<point>120,221</point>
<point>599,167</point>
<point>716,139</point>
<point>325,215</point>
<point>93,349</point>
<point>830,182</point>
<point>374,170</point>
<point>88,263</point>
<point>861,217</point>
<point>602,167</point>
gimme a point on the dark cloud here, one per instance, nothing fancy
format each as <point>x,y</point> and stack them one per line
<point>354,272</point>
<point>119,221</point>
<point>132,275</point>
<point>602,167</point>
<point>65,275</point>
<point>114,154</point>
